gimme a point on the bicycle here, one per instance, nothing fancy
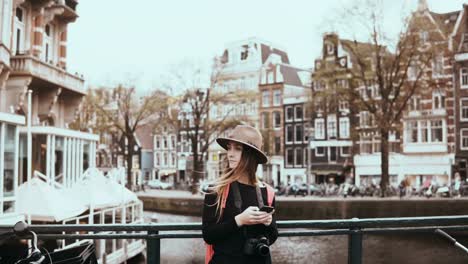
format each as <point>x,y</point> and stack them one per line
<point>84,253</point>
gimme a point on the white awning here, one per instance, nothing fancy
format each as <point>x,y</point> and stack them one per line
<point>46,203</point>
<point>331,143</point>
<point>166,172</point>
<point>100,191</point>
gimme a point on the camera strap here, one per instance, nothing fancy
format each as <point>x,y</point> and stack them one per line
<point>238,200</point>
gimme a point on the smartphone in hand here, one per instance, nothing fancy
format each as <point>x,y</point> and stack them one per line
<point>267,209</point>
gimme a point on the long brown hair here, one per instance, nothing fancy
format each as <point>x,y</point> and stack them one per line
<point>247,166</point>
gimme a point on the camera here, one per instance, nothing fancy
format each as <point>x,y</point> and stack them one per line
<point>257,246</point>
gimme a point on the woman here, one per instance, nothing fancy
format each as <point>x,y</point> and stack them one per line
<point>239,232</point>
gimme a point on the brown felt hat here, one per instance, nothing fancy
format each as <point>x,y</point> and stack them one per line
<point>249,136</point>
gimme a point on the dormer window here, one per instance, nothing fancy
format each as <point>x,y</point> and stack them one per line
<point>330,49</point>
<point>244,52</point>
<point>424,37</point>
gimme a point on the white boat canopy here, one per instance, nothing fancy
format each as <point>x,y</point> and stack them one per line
<point>98,191</point>
<point>45,203</point>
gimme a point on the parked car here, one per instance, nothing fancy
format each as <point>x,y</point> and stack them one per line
<point>158,184</point>
<point>296,189</point>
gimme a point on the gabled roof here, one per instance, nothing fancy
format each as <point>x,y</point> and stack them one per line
<point>446,22</point>
<point>267,51</point>
<point>144,135</point>
<point>291,75</point>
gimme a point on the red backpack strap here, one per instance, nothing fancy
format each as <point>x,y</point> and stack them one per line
<point>209,252</point>
<point>270,194</point>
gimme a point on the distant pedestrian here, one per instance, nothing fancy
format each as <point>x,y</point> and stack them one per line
<point>240,232</point>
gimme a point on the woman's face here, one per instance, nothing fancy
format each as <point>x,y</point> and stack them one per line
<point>234,153</point>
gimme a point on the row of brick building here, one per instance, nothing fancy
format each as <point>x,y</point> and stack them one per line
<point>310,136</point>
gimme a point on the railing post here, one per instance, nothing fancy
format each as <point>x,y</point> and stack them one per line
<point>153,248</point>
<point>355,245</point>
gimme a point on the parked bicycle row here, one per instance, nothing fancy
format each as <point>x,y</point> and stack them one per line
<point>430,189</point>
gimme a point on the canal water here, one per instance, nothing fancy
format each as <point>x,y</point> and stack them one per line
<point>400,249</point>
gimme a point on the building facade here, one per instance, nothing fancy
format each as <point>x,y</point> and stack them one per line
<point>460,70</point>
<point>39,100</point>
<point>239,70</point>
<point>281,87</point>
<point>333,116</point>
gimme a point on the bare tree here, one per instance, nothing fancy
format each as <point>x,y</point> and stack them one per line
<point>119,110</point>
<point>385,74</point>
<point>197,104</point>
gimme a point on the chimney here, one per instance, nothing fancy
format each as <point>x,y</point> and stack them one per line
<point>422,6</point>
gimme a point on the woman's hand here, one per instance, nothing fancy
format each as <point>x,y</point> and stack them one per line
<point>253,216</point>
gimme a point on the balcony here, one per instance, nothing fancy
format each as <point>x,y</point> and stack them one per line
<point>69,13</point>
<point>440,112</point>
<point>27,65</point>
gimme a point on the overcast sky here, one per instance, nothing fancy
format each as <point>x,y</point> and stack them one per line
<point>116,40</point>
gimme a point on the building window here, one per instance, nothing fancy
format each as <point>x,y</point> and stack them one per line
<point>277,145</point>
<point>266,98</point>
<point>343,106</point>
<point>265,123</point>
<point>414,103</point>
<point>319,105</point>
<point>376,147</point>
<point>299,133</point>
<point>344,127</point>
<point>299,157</point>
<point>424,37</point>
<point>412,131</point>
<point>19,31</point>
<point>290,157</point>
<point>319,85</point>
<point>306,156</point>
<point>436,131</point>
<point>289,134</point>
<point>364,119</point>
<point>156,139</point>
<point>424,131</point>
<point>276,97</point>
<point>413,72</point>
<point>464,139</point>
<point>276,119</point>
<point>345,151</point>
<point>306,131</point>
<point>319,128</point>
<point>342,83</point>
<point>156,159</point>
<point>164,159</point>
<point>464,109</point>
<point>331,126</point>
<point>164,142</point>
<point>438,65</point>
<point>48,43</point>
<point>270,77</point>
<point>289,113</point>
<point>366,145</point>
<point>438,100</point>
<point>173,139</point>
<point>299,112</point>
<point>319,151</point>
<point>464,77</point>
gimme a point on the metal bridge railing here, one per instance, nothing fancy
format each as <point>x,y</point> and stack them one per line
<point>355,229</point>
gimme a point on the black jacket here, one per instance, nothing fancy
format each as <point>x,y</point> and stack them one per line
<point>226,237</point>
